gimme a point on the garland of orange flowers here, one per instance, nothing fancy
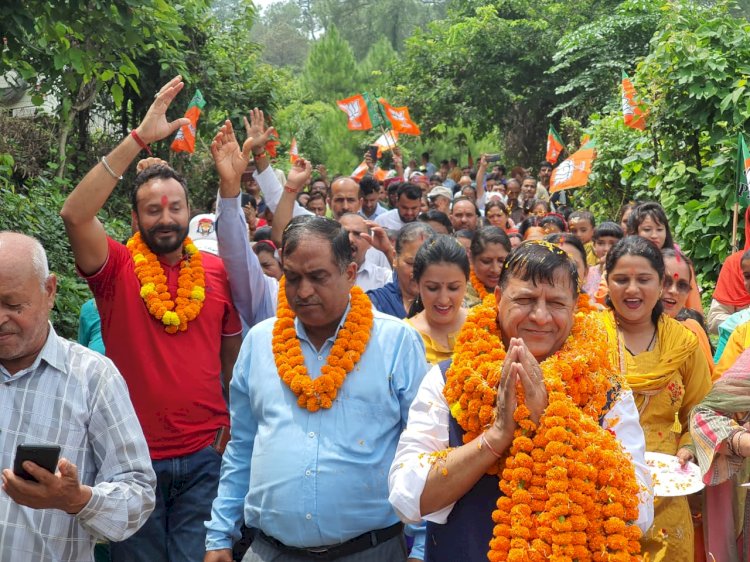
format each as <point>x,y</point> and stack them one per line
<point>478,285</point>
<point>568,490</point>
<point>349,346</point>
<point>191,284</point>
<point>584,303</point>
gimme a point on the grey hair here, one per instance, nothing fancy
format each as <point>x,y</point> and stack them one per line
<point>413,231</point>
<point>38,256</point>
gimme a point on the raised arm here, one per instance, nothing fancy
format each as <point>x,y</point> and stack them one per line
<point>87,236</point>
<point>298,177</point>
<point>481,171</point>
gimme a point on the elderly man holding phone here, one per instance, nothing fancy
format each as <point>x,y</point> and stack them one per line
<point>59,397</point>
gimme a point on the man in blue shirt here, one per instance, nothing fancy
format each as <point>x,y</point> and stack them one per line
<point>314,483</point>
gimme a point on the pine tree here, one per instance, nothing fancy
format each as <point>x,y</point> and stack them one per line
<point>330,72</point>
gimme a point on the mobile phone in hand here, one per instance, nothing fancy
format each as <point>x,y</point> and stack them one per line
<point>492,157</point>
<point>373,151</point>
<point>45,456</point>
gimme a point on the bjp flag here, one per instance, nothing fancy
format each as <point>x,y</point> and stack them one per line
<point>184,140</point>
<point>573,172</point>
<point>293,152</point>
<point>400,119</point>
<point>555,146</point>
<point>356,111</point>
<point>385,142</point>
<point>634,116</point>
<point>271,147</point>
<point>361,170</point>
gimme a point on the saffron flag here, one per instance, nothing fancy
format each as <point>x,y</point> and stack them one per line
<point>361,170</point>
<point>386,142</point>
<point>632,113</point>
<point>400,119</point>
<point>357,112</point>
<point>293,152</point>
<point>573,172</point>
<point>270,147</point>
<point>555,146</point>
<point>184,140</point>
<point>743,171</point>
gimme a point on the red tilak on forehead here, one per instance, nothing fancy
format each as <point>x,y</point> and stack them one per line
<point>164,201</point>
<point>676,277</point>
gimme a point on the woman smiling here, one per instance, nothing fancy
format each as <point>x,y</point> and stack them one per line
<point>666,371</point>
<point>489,248</point>
<point>441,270</point>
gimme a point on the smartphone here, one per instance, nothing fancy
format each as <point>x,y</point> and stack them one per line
<point>45,456</point>
<point>373,150</point>
<point>492,158</point>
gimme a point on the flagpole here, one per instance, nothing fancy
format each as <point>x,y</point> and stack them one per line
<point>735,220</point>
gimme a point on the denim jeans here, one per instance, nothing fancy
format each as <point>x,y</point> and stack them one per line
<point>175,532</point>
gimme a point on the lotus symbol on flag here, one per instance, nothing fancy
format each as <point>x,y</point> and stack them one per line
<point>565,171</point>
<point>398,115</point>
<point>627,107</point>
<point>353,109</point>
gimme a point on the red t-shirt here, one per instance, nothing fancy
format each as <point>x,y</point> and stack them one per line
<point>174,379</point>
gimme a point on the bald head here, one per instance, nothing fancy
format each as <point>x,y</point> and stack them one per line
<point>27,295</point>
<point>345,197</point>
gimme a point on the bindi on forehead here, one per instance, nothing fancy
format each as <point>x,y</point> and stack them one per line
<point>164,201</point>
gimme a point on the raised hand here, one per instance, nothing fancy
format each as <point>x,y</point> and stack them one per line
<point>256,130</point>
<point>155,126</point>
<point>379,238</point>
<point>230,161</point>
<point>299,175</point>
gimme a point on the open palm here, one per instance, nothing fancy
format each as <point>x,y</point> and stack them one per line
<point>230,161</point>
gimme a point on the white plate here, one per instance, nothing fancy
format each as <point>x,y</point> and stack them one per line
<point>670,479</point>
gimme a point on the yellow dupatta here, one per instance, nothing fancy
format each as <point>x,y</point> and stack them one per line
<point>676,343</point>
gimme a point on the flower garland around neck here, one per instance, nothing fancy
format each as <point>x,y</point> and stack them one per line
<point>478,285</point>
<point>191,284</point>
<point>569,492</point>
<point>351,342</point>
<point>584,303</point>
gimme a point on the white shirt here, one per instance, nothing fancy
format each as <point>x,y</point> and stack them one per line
<point>379,210</point>
<point>427,432</point>
<point>371,276</point>
<point>390,219</point>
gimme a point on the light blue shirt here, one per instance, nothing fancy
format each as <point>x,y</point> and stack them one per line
<point>314,479</point>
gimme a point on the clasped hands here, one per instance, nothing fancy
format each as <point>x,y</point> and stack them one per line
<point>519,366</point>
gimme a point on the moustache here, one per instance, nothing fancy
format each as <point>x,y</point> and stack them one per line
<point>299,302</point>
<point>161,228</point>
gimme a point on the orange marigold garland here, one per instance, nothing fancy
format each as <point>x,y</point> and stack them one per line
<point>191,284</point>
<point>478,285</point>
<point>568,490</point>
<point>349,346</point>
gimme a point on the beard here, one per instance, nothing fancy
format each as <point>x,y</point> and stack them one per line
<point>159,246</point>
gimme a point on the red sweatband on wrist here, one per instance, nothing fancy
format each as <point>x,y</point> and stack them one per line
<point>140,142</point>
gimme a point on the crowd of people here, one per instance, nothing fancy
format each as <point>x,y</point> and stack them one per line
<point>445,364</point>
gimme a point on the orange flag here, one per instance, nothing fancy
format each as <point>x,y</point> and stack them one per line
<point>271,147</point>
<point>386,142</point>
<point>184,140</point>
<point>360,171</point>
<point>634,116</point>
<point>400,119</point>
<point>555,146</point>
<point>573,172</point>
<point>293,152</point>
<point>355,108</point>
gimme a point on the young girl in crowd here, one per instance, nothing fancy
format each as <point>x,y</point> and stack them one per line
<point>605,236</point>
<point>441,270</point>
<point>581,224</point>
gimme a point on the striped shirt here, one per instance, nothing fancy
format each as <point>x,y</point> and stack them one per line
<point>75,398</point>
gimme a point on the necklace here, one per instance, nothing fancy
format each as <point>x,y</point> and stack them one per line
<point>648,347</point>
<point>351,341</point>
<point>173,313</point>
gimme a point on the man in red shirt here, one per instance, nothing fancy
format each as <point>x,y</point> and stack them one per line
<point>169,325</point>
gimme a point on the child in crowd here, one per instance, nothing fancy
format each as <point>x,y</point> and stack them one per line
<point>605,236</point>
<point>581,224</point>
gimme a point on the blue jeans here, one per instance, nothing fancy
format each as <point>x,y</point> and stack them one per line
<point>175,532</point>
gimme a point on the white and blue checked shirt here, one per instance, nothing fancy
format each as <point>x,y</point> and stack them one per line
<point>75,398</point>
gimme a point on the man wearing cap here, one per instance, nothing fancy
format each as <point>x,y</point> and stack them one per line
<point>169,326</point>
<point>202,232</point>
<point>440,199</point>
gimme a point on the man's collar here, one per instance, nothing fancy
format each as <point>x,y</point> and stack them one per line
<point>302,334</point>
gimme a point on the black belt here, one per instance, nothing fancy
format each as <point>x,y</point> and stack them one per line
<point>361,543</point>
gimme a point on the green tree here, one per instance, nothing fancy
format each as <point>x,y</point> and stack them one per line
<point>330,70</point>
<point>280,31</point>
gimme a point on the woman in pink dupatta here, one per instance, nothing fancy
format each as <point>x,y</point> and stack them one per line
<point>719,427</point>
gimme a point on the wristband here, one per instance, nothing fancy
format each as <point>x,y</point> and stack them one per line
<point>290,189</point>
<point>259,155</point>
<point>140,142</point>
<point>483,441</point>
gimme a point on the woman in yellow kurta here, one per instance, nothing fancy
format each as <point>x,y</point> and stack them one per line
<point>666,370</point>
<point>441,270</point>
